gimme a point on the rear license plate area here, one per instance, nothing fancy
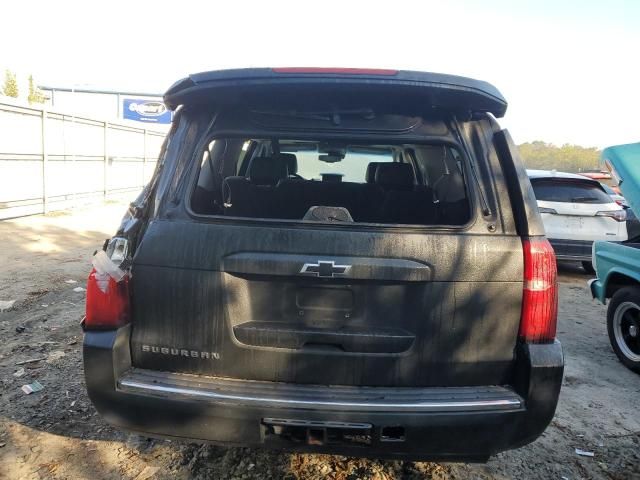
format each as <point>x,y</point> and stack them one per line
<point>573,223</point>
<point>323,307</point>
<point>332,299</point>
<point>301,432</point>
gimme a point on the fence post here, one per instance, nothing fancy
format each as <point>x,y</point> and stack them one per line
<point>106,159</point>
<point>45,161</point>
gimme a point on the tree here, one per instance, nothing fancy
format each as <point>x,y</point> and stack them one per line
<point>10,87</point>
<point>35,94</point>
<point>567,158</point>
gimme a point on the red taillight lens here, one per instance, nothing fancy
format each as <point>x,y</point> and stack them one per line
<point>107,302</point>
<point>540,293</point>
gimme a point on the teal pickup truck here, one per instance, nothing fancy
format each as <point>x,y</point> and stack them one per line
<point>618,265</point>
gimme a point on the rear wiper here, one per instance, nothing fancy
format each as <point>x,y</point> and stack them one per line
<point>333,116</point>
<point>583,199</point>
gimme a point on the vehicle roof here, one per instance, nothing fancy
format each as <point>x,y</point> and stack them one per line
<point>434,90</point>
<point>556,174</point>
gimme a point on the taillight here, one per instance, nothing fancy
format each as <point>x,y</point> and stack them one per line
<point>617,215</point>
<point>108,308</point>
<point>540,292</point>
<point>107,304</point>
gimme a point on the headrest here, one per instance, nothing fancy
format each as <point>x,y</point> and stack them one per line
<point>267,170</point>
<point>370,176</point>
<point>396,176</point>
<point>292,162</point>
<point>451,188</point>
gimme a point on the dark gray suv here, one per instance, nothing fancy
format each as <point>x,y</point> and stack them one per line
<point>330,260</point>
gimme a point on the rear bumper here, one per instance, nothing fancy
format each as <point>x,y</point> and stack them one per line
<point>597,290</point>
<point>576,250</point>
<point>469,423</point>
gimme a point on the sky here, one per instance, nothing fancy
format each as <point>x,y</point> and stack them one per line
<point>569,69</point>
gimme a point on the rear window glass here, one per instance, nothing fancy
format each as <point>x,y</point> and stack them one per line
<point>608,189</point>
<point>569,191</point>
<point>331,181</point>
<point>352,168</point>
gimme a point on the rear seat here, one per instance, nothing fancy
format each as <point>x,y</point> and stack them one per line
<point>268,192</point>
<point>292,162</point>
<point>363,201</point>
<point>370,176</point>
<point>255,195</point>
<point>404,202</point>
<point>452,196</point>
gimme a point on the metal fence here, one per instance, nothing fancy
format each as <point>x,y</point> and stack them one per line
<point>53,160</point>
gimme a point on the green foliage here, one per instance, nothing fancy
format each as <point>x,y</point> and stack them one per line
<point>35,94</point>
<point>567,158</point>
<point>10,87</point>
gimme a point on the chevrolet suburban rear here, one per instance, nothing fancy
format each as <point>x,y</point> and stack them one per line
<point>330,260</point>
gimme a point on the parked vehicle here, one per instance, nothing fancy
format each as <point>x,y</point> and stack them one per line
<point>633,226</point>
<point>597,175</point>
<point>616,197</point>
<point>576,211</point>
<point>618,266</point>
<point>330,260</point>
<point>632,221</point>
<point>604,178</point>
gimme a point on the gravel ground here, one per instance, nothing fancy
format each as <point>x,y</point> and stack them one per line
<point>56,433</point>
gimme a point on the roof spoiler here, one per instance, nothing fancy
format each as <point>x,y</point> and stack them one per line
<point>377,86</point>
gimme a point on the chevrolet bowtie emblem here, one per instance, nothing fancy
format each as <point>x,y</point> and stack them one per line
<point>324,269</point>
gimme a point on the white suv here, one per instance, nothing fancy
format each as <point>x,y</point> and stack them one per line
<point>576,211</point>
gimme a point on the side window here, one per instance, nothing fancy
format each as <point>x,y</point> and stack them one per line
<point>205,179</point>
<point>247,147</point>
<point>441,169</point>
<point>219,159</point>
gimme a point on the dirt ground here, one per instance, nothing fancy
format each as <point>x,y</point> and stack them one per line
<point>56,433</point>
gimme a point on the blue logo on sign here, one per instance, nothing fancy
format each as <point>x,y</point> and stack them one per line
<point>150,111</point>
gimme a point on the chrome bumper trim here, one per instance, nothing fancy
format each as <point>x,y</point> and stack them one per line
<point>337,398</point>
